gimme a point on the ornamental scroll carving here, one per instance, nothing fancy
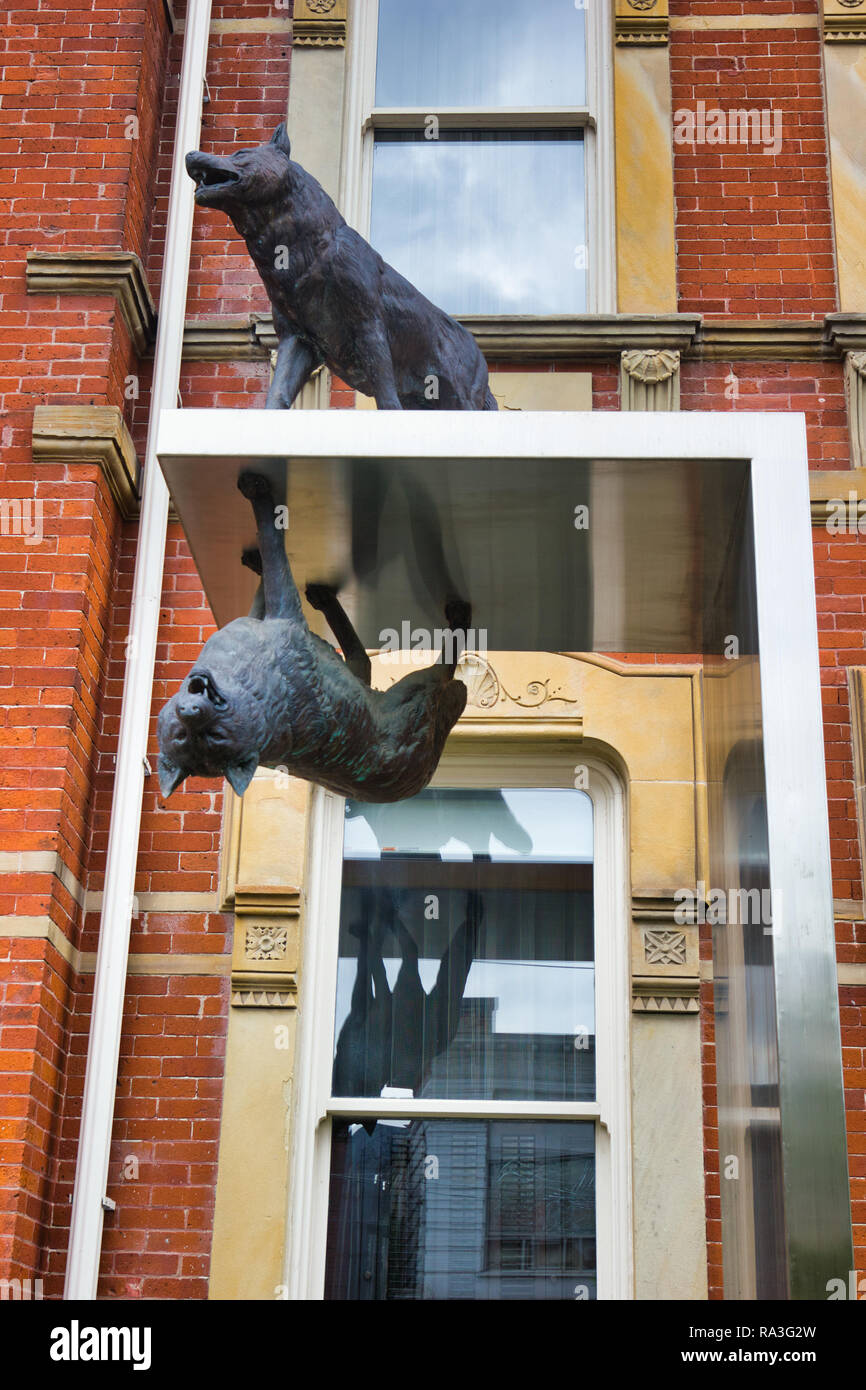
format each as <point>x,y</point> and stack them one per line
<point>486,690</point>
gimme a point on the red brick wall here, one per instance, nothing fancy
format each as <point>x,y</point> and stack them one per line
<point>754,233</point>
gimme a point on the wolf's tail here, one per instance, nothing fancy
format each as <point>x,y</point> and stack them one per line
<point>490,402</point>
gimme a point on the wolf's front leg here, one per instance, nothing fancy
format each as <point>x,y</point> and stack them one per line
<point>282,599</point>
<point>374,353</point>
<point>296,362</point>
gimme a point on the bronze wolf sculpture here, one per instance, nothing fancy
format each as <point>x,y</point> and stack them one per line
<point>267,691</point>
<point>334,299</point>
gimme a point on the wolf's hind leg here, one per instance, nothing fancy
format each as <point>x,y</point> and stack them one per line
<point>458,615</point>
<point>325,601</point>
<point>282,599</point>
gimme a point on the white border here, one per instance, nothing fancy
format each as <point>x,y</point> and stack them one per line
<point>817,1205</point>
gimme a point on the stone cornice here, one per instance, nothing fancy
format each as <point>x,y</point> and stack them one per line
<point>828,488</point>
<point>90,434</point>
<point>118,273</point>
<point>222,340</point>
<point>585,337</point>
<point>846,332</point>
<point>580,336</point>
<point>791,340</point>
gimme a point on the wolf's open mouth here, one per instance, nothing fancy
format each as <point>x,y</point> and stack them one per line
<point>209,172</point>
<point>200,683</point>
<point>214,178</point>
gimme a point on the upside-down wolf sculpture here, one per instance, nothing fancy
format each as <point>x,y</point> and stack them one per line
<point>267,691</point>
<point>334,299</point>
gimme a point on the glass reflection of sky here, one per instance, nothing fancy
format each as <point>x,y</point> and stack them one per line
<point>480,53</point>
<point>484,222</point>
<point>519,823</point>
<point>533,998</point>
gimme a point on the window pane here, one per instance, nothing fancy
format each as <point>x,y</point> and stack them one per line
<point>461,1209</point>
<point>466,947</point>
<point>484,222</point>
<point>480,53</point>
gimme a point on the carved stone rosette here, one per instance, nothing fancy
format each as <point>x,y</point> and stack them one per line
<point>642,21</point>
<point>319,23</point>
<point>266,947</point>
<point>650,380</point>
<point>844,21</point>
<point>665,968</point>
<point>855,390</point>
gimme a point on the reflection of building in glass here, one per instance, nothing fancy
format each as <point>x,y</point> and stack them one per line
<point>463,1210</point>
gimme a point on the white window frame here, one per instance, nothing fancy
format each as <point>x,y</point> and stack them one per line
<point>363,118</point>
<point>472,763</point>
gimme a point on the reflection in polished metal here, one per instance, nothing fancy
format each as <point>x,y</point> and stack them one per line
<point>699,530</point>
<point>267,692</point>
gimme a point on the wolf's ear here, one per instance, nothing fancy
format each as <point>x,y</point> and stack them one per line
<point>170,776</point>
<point>239,775</point>
<point>281,140</point>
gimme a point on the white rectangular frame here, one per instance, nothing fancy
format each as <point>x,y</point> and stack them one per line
<point>816,1190</point>
<point>550,765</point>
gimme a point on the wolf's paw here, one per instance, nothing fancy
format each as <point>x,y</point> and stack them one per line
<point>320,596</point>
<point>252,485</point>
<point>252,558</point>
<point>458,614</point>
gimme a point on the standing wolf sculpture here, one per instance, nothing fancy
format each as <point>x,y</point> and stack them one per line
<point>267,691</point>
<point>333,297</point>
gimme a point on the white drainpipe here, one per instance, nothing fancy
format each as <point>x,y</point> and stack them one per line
<point>91,1174</point>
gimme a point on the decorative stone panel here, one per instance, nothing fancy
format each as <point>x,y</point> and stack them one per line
<point>319,23</point>
<point>642,21</point>
<point>665,963</point>
<point>845,21</point>
<point>650,380</point>
<point>266,947</point>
